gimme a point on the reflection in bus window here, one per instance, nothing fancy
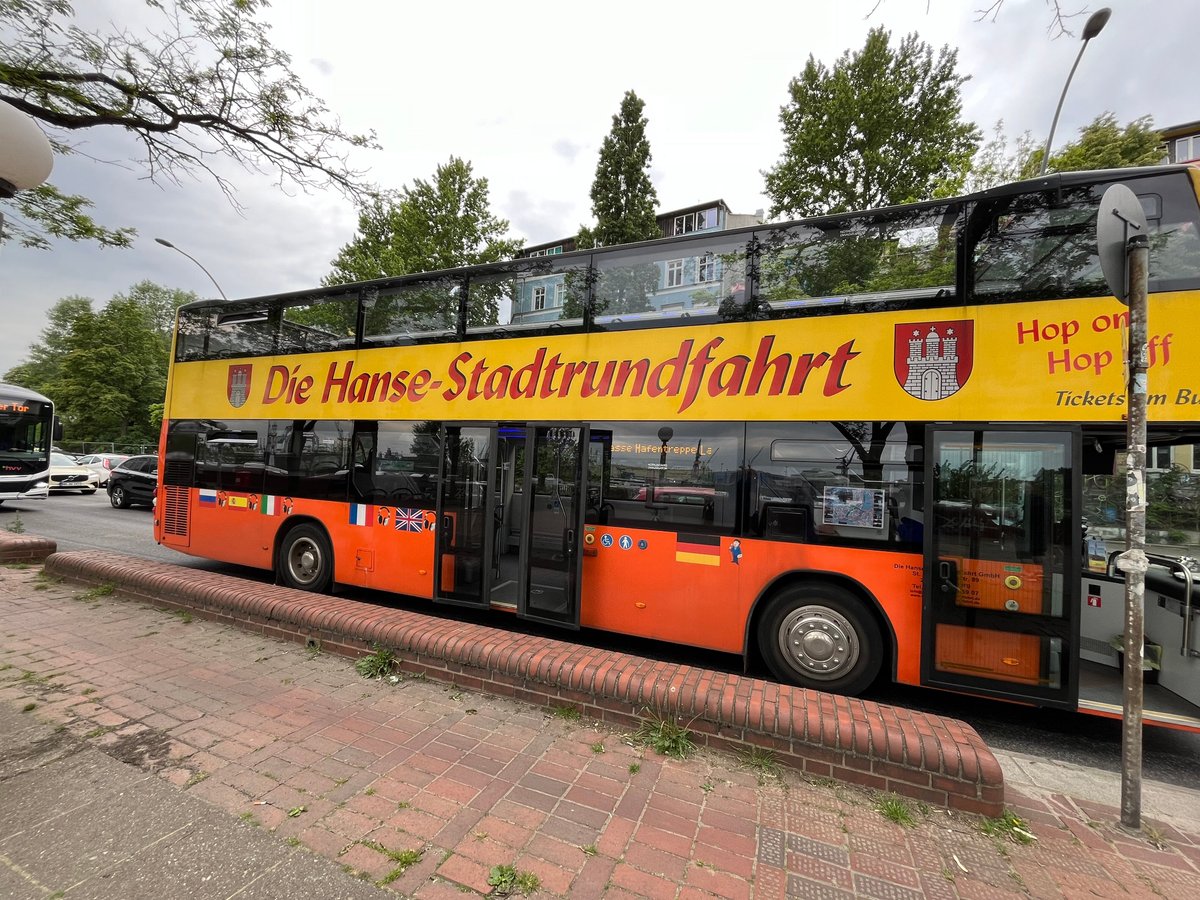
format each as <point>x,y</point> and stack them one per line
<point>836,482</point>
<point>396,463</point>
<point>679,477</point>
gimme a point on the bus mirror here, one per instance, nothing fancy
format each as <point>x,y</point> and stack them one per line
<point>56,431</point>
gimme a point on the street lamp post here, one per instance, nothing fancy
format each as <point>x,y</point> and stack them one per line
<point>25,155</point>
<point>1095,24</point>
<point>167,243</point>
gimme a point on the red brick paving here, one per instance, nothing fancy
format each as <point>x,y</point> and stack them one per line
<point>260,727</point>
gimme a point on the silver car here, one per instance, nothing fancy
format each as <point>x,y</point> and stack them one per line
<point>102,464</point>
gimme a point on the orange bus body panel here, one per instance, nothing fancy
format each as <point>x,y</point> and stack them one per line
<point>1004,655</point>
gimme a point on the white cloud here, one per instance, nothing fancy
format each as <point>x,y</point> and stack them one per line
<point>526,93</point>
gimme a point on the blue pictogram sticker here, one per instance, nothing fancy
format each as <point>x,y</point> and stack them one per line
<point>643,544</point>
<point>626,542</point>
<point>606,540</point>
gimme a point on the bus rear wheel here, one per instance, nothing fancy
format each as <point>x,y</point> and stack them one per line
<point>822,637</point>
<point>305,559</point>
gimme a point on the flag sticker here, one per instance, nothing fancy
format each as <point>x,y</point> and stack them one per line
<point>698,549</point>
<point>410,520</point>
<point>238,502</point>
<point>360,514</point>
<point>208,498</point>
<point>269,506</point>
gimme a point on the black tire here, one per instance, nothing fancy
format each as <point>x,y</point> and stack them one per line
<point>822,637</point>
<point>117,497</point>
<point>305,559</point>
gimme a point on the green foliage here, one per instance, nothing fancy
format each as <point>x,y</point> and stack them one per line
<point>623,198</point>
<point>508,880</point>
<point>106,370</point>
<point>440,224</point>
<point>201,79</point>
<point>882,127</point>
<point>666,737</point>
<point>1008,825</point>
<point>377,664</point>
<point>1103,144</point>
<point>896,809</point>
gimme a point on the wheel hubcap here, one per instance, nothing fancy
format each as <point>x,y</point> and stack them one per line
<point>819,642</point>
<point>305,561</point>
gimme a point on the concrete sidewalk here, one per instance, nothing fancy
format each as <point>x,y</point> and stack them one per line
<point>143,754</point>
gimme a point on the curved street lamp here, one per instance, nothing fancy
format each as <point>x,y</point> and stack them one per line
<point>167,243</point>
<point>1095,24</point>
<point>25,155</point>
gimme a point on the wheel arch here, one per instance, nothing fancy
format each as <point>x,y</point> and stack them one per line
<point>750,648</point>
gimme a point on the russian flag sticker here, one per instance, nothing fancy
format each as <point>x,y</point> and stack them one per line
<point>360,514</point>
<point>208,498</point>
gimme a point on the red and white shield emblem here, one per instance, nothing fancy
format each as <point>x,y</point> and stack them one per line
<point>238,388</point>
<point>933,359</point>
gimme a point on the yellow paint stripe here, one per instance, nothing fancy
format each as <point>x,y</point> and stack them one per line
<point>700,559</point>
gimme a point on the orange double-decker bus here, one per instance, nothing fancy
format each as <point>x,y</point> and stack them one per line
<point>882,444</point>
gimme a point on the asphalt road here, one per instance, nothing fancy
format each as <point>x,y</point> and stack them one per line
<point>81,522</point>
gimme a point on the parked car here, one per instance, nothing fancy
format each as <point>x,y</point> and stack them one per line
<point>68,475</point>
<point>102,463</point>
<point>133,482</point>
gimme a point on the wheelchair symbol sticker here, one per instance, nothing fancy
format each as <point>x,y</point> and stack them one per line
<point>626,542</point>
<point>606,540</point>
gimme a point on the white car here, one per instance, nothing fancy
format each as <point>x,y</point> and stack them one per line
<point>102,463</point>
<point>68,475</point>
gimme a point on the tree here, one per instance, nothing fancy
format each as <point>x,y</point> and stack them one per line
<point>202,82</point>
<point>624,201</point>
<point>882,127</point>
<point>106,371</point>
<point>1103,144</point>
<point>442,224</point>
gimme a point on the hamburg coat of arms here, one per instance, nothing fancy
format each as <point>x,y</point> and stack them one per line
<point>238,388</point>
<point>933,359</point>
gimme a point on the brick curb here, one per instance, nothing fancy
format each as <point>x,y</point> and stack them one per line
<point>25,547</point>
<point>931,758</point>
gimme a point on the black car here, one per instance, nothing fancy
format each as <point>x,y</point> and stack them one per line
<point>133,482</point>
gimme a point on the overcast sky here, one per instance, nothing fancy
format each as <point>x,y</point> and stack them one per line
<point>526,92</point>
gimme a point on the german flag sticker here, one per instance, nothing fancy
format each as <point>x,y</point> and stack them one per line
<point>698,549</point>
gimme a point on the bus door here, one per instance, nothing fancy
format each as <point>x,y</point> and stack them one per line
<point>545,488</point>
<point>1002,543</point>
<point>464,512</point>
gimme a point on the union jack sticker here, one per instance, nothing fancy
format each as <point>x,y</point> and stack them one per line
<point>410,520</point>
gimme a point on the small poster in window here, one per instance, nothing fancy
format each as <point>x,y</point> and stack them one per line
<point>853,506</point>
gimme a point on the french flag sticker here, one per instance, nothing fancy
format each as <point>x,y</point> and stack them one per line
<point>360,514</point>
<point>208,498</point>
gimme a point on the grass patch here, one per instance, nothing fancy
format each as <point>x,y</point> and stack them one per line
<point>377,664</point>
<point>565,712</point>
<point>18,566</point>
<point>598,747</point>
<point>292,841</point>
<point>1010,826</point>
<point>896,809</point>
<point>297,811</point>
<point>589,850</point>
<point>762,763</point>
<point>634,768</point>
<point>666,737</point>
<point>195,779</point>
<point>507,880</point>
<point>183,615</point>
<point>95,593</point>
<point>16,526</point>
<point>404,859</point>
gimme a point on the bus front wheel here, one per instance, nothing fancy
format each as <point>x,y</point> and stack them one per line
<point>822,637</point>
<point>306,559</point>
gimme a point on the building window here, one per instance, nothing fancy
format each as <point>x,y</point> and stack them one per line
<point>1187,148</point>
<point>674,272</point>
<point>706,269</point>
<point>560,293</point>
<point>548,251</point>
<point>695,221</point>
<point>539,298</point>
<point>1158,458</point>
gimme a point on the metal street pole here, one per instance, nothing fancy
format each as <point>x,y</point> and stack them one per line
<point>1133,561</point>
<point>1095,24</point>
<point>167,243</point>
